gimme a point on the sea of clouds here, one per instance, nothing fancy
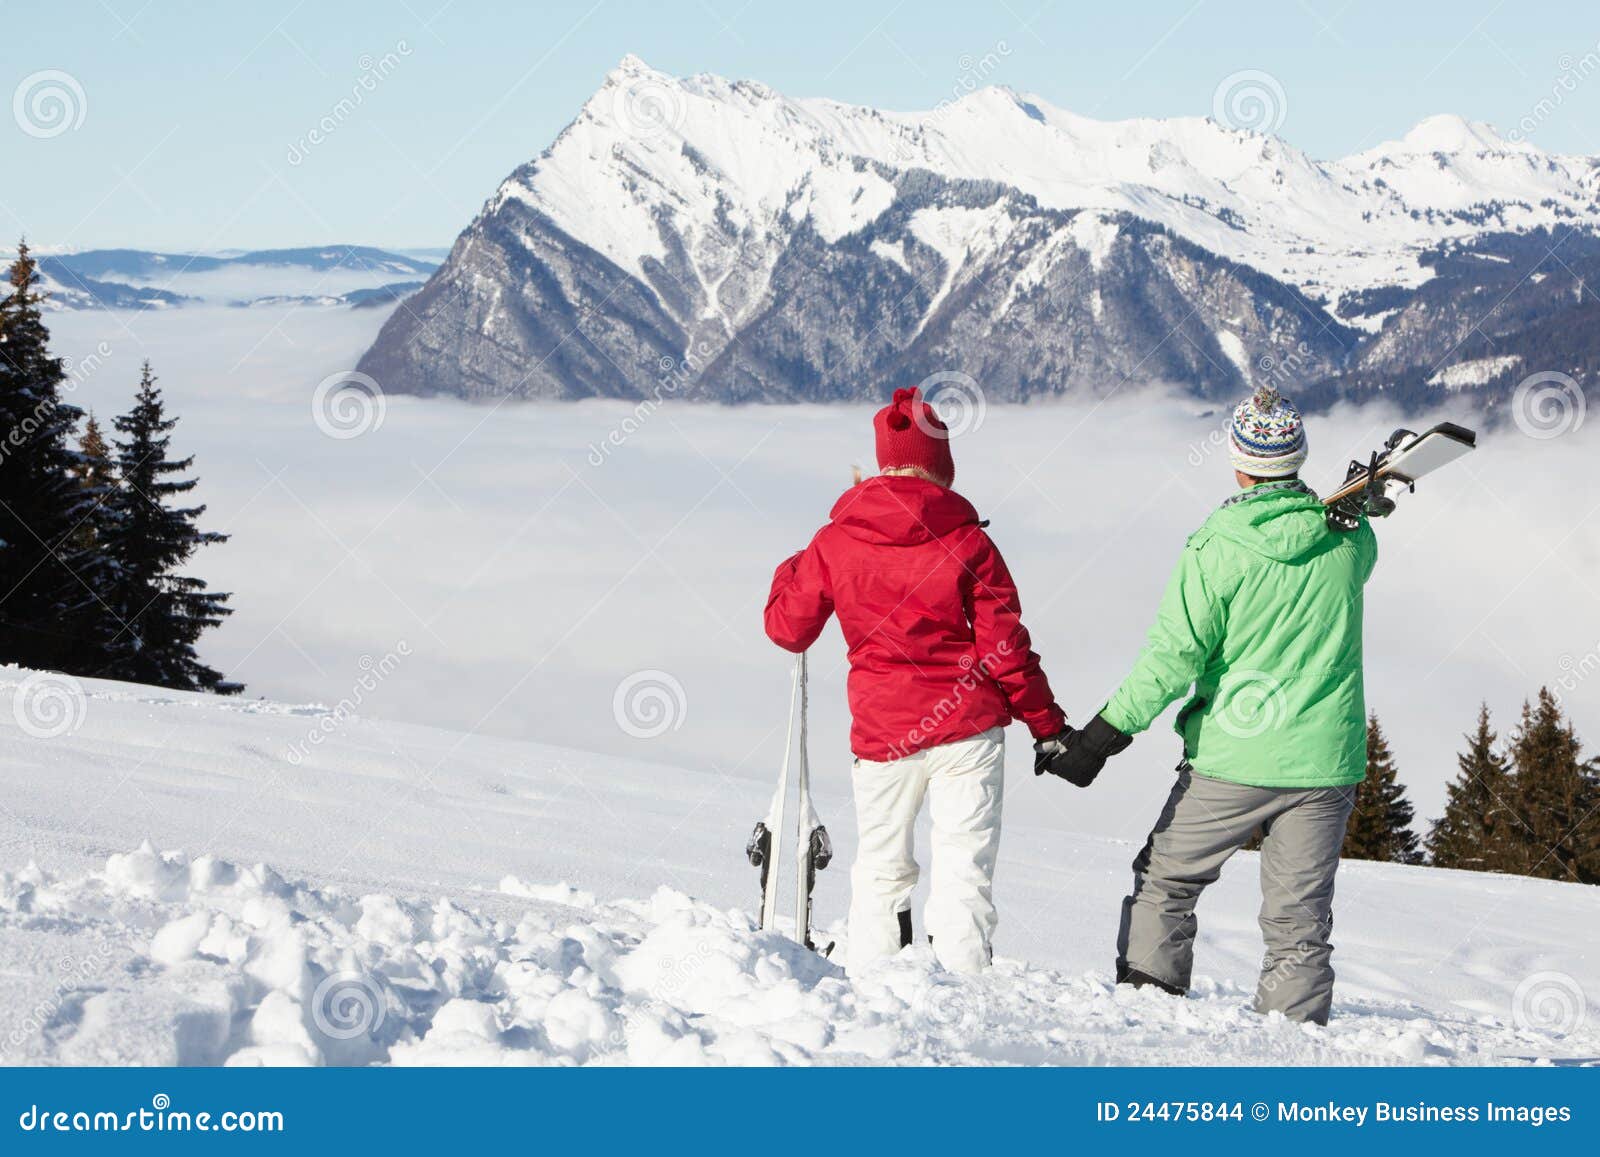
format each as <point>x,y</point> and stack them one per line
<point>592,575</point>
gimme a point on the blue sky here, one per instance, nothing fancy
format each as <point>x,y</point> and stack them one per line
<point>185,116</point>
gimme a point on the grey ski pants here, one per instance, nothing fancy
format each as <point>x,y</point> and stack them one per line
<point>1204,822</point>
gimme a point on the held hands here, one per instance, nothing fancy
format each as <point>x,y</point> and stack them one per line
<point>1078,755</point>
<point>1046,751</point>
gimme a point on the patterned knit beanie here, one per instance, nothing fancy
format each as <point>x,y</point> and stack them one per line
<point>1267,438</point>
<point>909,432</point>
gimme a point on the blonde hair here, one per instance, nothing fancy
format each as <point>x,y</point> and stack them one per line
<point>914,472</point>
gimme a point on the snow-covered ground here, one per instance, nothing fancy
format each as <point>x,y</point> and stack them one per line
<point>434,897</point>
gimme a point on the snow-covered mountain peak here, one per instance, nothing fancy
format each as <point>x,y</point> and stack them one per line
<point>631,66</point>
<point>649,148</point>
<point>709,202</point>
<point>1448,133</point>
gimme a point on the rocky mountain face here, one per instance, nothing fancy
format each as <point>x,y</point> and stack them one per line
<point>1045,302</point>
<point>1494,312</point>
<point>714,239</point>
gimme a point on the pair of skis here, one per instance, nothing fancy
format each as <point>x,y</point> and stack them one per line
<point>812,849</point>
<point>1369,487</point>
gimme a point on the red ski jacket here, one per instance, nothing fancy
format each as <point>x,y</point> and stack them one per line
<point>938,652</point>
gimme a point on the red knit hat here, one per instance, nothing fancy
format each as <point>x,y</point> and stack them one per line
<point>911,433</point>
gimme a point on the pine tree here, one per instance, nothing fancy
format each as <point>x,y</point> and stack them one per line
<point>161,613</point>
<point>1380,825</point>
<point>96,476</point>
<point>43,601</point>
<point>1480,830</point>
<point>100,626</point>
<point>1557,797</point>
<point>94,470</point>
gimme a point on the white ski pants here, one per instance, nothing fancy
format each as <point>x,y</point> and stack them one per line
<point>963,784</point>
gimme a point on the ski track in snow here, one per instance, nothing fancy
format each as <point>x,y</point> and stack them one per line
<point>149,957</point>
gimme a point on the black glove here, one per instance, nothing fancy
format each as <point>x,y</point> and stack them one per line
<point>1047,749</point>
<point>1084,752</point>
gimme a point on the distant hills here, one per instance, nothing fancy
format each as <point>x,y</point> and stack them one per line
<point>350,275</point>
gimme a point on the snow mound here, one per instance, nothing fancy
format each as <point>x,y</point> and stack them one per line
<point>162,959</point>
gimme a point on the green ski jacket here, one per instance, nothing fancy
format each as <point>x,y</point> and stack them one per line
<point>1262,619</point>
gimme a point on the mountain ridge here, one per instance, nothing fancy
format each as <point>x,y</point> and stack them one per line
<point>147,279</point>
<point>695,218</point>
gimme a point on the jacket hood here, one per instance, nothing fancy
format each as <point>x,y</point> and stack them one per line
<point>1283,525</point>
<point>901,511</point>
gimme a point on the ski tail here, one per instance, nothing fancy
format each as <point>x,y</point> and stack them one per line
<point>805,819</point>
<point>1406,456</point>
<point>817,856</point>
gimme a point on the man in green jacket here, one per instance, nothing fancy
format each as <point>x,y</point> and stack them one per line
<point>1261,627</point>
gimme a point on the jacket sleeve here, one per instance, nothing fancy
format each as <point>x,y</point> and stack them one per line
<point>1370,552</point>
<point>1187,629</point>
<point>1005,650</point>
<point>800,601</point>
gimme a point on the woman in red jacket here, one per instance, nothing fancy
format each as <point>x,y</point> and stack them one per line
<point>939,664</point>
